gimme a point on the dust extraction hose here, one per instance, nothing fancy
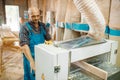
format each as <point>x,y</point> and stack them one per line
<point>94,17</point>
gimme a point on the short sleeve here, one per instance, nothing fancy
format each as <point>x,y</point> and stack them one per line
<point>47,35</point>
<point>24,35</point>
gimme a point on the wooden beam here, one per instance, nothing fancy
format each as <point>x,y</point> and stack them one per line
<point>92,69</point>
<point>0,56</point>
<point>34,3</point>
<point>44,11</point>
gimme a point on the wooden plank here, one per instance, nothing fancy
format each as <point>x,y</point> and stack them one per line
<point>6,38</point>
<point>0,56</point>
<point>92,69</point>
<point>1,51</point>
<point>29,3</point>
<point>0,62</point>
<point>61,7</point>
<point>7,34</point>
<point>12,66</point>
<point>0,42</point>
<point>44,11</point>
<point>115,15</point>
<point>34,3</point>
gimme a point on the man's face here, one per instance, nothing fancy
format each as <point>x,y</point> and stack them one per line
<point>34,16</point>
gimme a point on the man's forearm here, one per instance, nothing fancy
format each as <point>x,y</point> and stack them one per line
<point>27,53</point>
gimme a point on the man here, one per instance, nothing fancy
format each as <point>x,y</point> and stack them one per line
<point>32,33</point>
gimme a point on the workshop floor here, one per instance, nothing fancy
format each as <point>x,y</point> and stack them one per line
<point>12,65</point>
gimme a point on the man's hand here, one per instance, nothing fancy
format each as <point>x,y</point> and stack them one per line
<point>48,42</point>
<point>32,66</point>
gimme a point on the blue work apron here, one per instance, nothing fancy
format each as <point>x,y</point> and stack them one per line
<point>35,39</point>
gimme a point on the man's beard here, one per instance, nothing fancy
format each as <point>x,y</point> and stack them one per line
<point>35,21</point>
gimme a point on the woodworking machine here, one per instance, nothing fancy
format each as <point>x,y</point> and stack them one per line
<point>67,60</point>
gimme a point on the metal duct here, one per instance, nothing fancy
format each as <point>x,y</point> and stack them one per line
<point>94,17</point>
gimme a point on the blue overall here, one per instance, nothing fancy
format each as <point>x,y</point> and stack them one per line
<point>35,38</point>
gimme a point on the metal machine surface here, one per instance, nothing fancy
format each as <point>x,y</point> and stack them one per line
<point>54,62</point>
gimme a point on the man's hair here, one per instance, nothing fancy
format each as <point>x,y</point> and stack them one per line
<point>32,9</point>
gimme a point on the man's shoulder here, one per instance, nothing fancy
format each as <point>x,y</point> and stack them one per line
<point>46,25</point>
<point>24,26</point>
<point>42,24</point>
